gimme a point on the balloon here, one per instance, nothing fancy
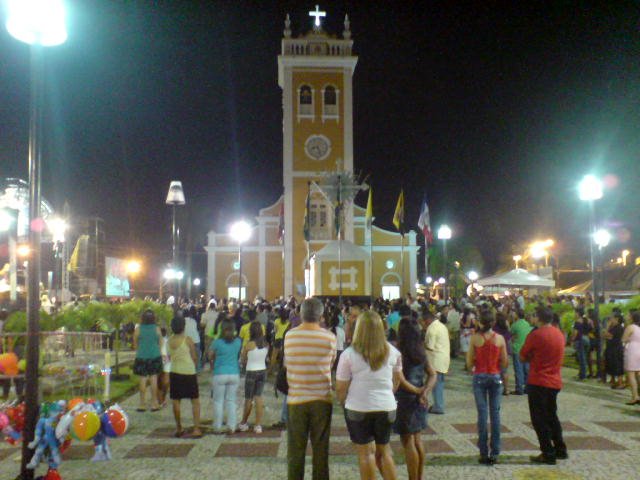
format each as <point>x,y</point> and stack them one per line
<point>114,422</point>
<point>9,363</point>
<point>73,402</point>
<point>22,365</point>
<point>85,425</point>
<point>4,420</point>
<point>52,474</point>
<point>64,426</point>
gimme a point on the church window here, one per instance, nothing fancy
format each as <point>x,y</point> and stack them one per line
<point>319,221</point>
<point>330,103</point>
<point>305,101</point>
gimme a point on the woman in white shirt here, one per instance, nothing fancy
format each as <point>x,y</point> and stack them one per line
<point>369,371</point>
<point>254,355</point>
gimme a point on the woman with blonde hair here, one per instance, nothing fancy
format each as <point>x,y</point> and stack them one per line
<point>368,373</point>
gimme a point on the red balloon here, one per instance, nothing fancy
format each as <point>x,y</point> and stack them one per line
<point>52,474</point>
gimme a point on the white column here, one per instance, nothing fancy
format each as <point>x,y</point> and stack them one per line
<point>211,265</point>
<point>348,142</point>
<point>287,153</point>
<point>413,263</point>
<point>262,283</point>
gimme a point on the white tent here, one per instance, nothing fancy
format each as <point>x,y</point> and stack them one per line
<point>517,278</point>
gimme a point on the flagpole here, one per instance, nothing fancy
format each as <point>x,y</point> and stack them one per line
<point>402,265</point>
<point>339,241</point>
<point>371,264</point>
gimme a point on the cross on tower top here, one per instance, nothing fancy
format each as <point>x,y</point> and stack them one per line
<point>317,14</point>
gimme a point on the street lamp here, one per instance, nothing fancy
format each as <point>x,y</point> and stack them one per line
<point>473,276</point>
<point>444,234</point>
<point>517,258</point>
<point>590,190</point>
<point>625,254</point>
<point>602,238</point>
<point>175,197</point>
<point>133,267</point>
<point>39,23</point>
<point>57,227</point>
<point>240,232</point>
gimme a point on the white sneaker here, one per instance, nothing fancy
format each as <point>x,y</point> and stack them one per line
<point>243,427</point>
<point>257,429</point>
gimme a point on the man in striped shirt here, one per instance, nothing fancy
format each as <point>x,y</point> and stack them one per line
<point>309,352</point>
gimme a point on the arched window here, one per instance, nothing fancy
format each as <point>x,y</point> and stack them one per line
<point>329,102</point>
<point>305,101</point>
<point>319,219</point>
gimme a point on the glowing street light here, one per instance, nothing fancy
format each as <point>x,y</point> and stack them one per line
<point>517,258</point>
<point>625,254</point>
<point>240,232</point>
<point>444,234</point>
<point>39,23</point>
<point>24,250</point>
<point>602,238</point>
<point>590,188</point>
<point>196,282</point>
<point>133,267</point>
<point>473,276</point>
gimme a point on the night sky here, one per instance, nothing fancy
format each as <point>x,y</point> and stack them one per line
<point>495,111</point>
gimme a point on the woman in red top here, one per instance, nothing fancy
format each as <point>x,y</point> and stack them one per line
<point>487,355</point>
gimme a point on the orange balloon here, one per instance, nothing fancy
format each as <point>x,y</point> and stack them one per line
<point>9,363</point>
<point>73,402</point>
<point>85,426</point>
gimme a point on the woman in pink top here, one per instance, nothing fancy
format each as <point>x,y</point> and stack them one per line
<point>487,355</point>
<point>631,340</point>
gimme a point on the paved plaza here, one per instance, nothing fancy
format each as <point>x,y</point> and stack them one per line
<point>603,436</point>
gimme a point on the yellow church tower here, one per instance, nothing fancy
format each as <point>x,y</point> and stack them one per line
<point>315,74</point>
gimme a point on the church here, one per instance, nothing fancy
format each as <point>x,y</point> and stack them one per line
<point>294,248</point>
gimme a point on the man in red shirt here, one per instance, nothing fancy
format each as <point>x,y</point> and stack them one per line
<point>544,350</point>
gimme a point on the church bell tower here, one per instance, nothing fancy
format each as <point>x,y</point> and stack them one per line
<point>315,73</point>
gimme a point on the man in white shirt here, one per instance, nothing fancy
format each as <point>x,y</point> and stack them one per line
<point>453,325</point>
<point>438,350</point>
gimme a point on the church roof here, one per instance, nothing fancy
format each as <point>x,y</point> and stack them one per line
<point>349,251</point>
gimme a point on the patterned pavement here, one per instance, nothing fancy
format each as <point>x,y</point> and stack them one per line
<point>602,434</point>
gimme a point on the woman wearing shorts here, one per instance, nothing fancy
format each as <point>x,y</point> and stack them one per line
<point>254,355</point>
<point>369,371</point>
<point>183,381</point>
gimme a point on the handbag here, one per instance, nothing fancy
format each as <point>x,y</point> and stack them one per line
<point>282,385</point>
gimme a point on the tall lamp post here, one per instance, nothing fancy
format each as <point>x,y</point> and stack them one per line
<point>602,238</point>
<point>444,234</point>
<point>175,197</point>
<point>590,190</point>
<point>40,24</point>
<point>240,232</point>
<point>516,259</point>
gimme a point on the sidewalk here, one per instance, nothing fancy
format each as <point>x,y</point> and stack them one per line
<point>603,436</point>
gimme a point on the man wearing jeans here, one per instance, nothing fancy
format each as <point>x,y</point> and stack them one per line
<point>544,350</point>
<point>520,330</point>
<point>438,348</point>
<point>309,351</point>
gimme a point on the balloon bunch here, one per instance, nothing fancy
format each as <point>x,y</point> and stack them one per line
<point>61,422</point>
<point>89,420</point>
<point>12,422</point>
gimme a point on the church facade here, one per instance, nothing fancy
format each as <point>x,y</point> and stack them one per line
<point>284,256</point>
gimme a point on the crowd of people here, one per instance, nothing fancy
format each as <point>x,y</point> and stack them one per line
<point>385,363</point>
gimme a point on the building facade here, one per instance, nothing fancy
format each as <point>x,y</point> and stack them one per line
<point>315,75</point>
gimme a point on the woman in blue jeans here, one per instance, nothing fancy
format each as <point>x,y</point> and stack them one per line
<point>486,357</point>
<point>225,353</point>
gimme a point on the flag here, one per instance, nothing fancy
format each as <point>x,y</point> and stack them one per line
<point>424,222</point>
<point>281,223</point>
<point>369,215</point>
<point>307,225</point>
<point>75,261</point>
<point>398,215</point>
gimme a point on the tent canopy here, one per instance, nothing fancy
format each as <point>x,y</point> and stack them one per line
<point>517,277</point>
